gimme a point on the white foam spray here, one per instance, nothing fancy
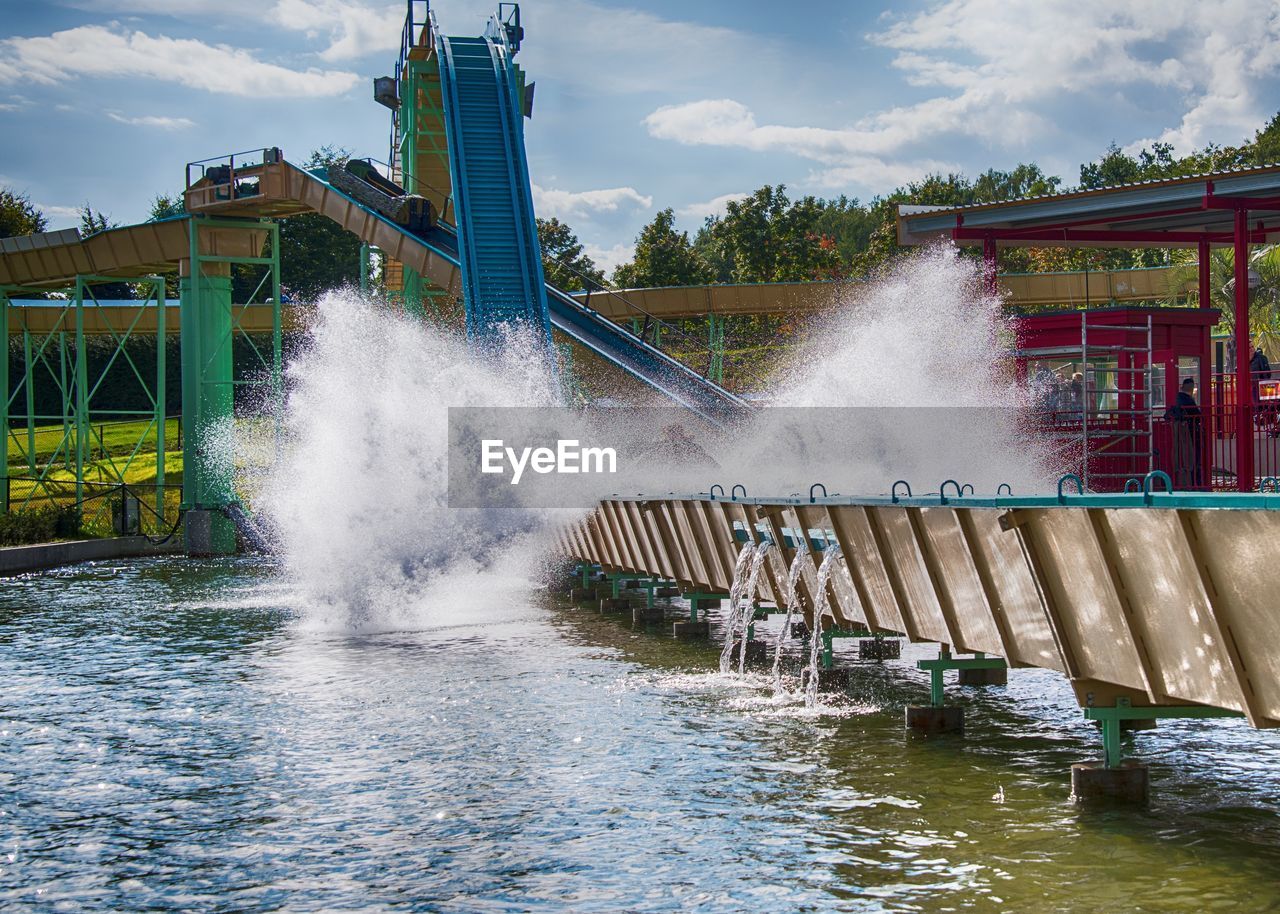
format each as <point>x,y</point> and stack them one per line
<point>359,498</point>
<point>922,355</point>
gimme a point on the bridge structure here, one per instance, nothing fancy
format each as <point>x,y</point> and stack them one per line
<point>1155,605</point>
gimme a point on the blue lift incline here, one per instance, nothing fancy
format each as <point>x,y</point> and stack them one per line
<point>501,258</point>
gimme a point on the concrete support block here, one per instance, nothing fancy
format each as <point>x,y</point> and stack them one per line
<point>982,677</point>
<point>666,592</point>
<point>206,532</point>
<point>879,649</point>
<point>615,605</point>
<point>582,594</point>
<point>647,615</point>
<point>929,719</point>
<point>691,629</point>
<point>757,652</point>
<point>703,603</point>
<point>836,680</point>
<point>1093,782</point>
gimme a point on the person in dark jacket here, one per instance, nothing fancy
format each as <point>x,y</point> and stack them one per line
<point>1259,370</point>
<point>1187,437</point>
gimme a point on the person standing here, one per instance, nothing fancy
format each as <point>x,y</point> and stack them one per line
<point>1188,439</point>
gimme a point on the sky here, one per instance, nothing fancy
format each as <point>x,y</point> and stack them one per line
<point>639,105</point>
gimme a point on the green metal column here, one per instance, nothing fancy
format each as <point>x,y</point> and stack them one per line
<point>82,393</point>
<point>161,404</point>
<point>715,334</point>
<point>4,398</point>
<point>207,389</point>
<point>31,399</point>
<point>65,389</point>
<point>364,268</point>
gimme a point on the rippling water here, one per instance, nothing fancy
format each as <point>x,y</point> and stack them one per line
<point>174,741</point>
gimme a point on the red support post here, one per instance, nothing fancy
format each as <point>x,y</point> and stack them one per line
<point>1209,430</point>
<point>1244,383</point>
<point>989,264</point>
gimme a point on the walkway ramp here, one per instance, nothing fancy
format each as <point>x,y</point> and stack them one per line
<point>1158,600</point>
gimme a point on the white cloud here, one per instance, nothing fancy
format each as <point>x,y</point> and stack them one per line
<point>851,154</point>
<point>60,216</point>
<point>1004,61</point>
<point>353,29</point>
<point>713,207</point>
<point>614,50</point>
<point>101,51</point>
<point>564,204</point>
<point>998,69</point>
<point>608,259</point>
<point>151,120</point>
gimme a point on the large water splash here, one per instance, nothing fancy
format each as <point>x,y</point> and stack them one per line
<point>920,363</point>
<point>359,497</point>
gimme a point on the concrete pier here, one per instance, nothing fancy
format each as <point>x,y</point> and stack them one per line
<point>983,677</point>
<point>691,630</point>
<point>1093,782</point>
<point>647,615</point>
<point>928,719</point>
<point>834,680</point>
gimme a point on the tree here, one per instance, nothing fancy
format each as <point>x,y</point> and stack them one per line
<point>18,215</point>
<point>563,261</point>
<point>664,257</point>
<point>765,237</point>
<point>164,206</point>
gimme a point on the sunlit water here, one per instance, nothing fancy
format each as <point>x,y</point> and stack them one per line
<point>173,740</point>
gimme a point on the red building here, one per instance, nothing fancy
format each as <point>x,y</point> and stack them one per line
<point>1105,384</point>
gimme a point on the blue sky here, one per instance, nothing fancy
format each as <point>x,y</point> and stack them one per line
<point>639,105</point>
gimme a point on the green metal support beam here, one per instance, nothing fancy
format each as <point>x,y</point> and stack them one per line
<point>946,662</point>
<point>1111,719</point>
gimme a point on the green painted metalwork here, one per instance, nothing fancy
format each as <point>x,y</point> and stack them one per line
<point>4,398</point>
<point>715,342</point>
<point>79,405</point>
<point>1111,719</point>
<point>211,322</point>
<point>364,267</point>
<point>828,642</point>
<point>945,661</point>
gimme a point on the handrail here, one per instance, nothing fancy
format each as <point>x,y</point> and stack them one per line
<point>817,485</point>
<point>942,490</point>
<point>712,493</point>
<point>733,493</point>
<point>893,492</point>
<point>1078,481</point>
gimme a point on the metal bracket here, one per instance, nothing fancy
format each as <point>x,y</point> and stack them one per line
<point>1110,718</point>
<point>946,662</point>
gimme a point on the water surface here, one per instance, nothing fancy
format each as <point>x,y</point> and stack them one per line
<point>173,740</point>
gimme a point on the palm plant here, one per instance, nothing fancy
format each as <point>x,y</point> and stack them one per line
<point>1264,308</point>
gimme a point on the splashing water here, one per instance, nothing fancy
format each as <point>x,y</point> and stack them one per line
<point>922,358</point>
<point>735,594</point>
<point>793,578</point>
<point>359,498</point>
<point>815,635</point>
<point>735,590</point>
<point>748,597</point>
